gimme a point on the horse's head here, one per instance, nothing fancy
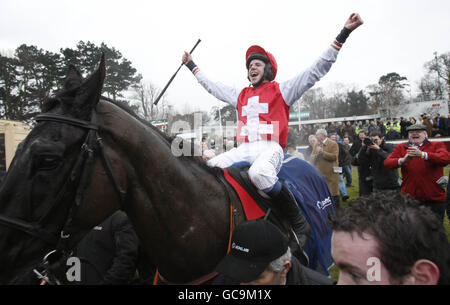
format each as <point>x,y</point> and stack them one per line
<point>49,186</point>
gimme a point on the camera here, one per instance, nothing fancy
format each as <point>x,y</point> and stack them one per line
<point>368,141</point>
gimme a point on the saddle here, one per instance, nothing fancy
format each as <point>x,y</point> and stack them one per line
<point>256,204</point>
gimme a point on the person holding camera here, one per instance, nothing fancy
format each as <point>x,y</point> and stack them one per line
<point>383,178</point>
<point>422,165</point>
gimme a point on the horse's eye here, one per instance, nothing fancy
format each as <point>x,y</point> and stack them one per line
<point>47,162</point>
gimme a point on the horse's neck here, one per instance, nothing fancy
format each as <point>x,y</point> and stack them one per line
<point>177,207</point>
<point>147,150</point>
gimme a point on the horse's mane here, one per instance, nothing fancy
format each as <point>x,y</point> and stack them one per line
<point>167,139</point>
<point>124,106</point>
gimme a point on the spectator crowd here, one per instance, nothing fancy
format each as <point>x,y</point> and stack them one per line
<point>391,128</point>
<point>401,184</point>
<point>363,144</point>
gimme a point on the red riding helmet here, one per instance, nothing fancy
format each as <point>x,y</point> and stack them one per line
<point>256,52</point>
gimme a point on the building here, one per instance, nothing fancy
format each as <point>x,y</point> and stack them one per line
<point>11,134</point>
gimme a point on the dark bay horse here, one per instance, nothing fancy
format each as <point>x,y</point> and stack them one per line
<point>178,207</point>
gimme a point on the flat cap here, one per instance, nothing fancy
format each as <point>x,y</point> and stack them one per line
<point>416,127</point>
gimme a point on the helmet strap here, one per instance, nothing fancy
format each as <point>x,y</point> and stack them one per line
<point>259,83</point>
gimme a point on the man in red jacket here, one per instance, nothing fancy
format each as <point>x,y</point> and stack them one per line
<point>422,165</point>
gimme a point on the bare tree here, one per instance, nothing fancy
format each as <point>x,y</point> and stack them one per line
<point>315,101</point>
<point>429,88</point>
<point>374,93</point>
<point>440,66</point>
<point>146,93</point>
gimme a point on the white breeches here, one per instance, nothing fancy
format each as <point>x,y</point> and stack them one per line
<point>265,157</point>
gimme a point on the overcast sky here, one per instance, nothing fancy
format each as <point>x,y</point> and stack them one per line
<point>397,36</point>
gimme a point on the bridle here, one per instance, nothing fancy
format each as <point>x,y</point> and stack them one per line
<point>80,172</point>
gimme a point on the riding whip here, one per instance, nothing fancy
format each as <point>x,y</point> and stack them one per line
<point>173,76</point>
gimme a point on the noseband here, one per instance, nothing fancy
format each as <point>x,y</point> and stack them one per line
<point>81,172</point>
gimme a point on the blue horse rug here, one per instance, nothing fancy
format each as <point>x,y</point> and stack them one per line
<point>314,200</point>
<point>315,203</point>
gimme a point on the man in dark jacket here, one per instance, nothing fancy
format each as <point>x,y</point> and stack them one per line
<point>392,134</point>
<point>361,159</point>
<point>347,166</point>
<point>383,178</point>
<point>109,252</point>
<point>439,125</point>
<point>260,255</point>
<point>345,159</point>
<point>447,125</point>
<point>404,123</point>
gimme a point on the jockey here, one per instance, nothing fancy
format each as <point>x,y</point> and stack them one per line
<point>263,111</point>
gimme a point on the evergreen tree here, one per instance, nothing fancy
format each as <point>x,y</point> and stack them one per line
<point>8,87</point>
<point>120,74</point>
<point>357,103</point>
<point>34,74</point>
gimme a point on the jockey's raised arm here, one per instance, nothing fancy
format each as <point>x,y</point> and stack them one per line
<point>263,113</point>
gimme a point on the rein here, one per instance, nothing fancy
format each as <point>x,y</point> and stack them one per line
<point>80,172</point>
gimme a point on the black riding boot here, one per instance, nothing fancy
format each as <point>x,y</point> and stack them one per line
<point>287,204</point>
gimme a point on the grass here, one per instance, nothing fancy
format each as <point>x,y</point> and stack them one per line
<point>353,193</point>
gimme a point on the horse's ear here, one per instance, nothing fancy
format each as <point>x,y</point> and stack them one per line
<point>73,78</point>
<point>88,95</point>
